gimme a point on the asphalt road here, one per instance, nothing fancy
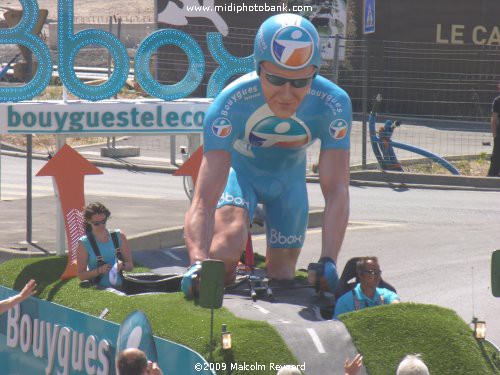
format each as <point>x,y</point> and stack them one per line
<point>139,202</point>
<point>113,182</point>
<point>434,246</point>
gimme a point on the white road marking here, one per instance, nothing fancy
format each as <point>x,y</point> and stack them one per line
<point>171,255</point>
<point>283,321</point>
<point>108,193</point>
<point>23,187</point>
<point>261,309</point>
<point>18,191</point>
<point>144,158</point>
<point>354,225</point>
<point>316,340</point>
<point>11,192</point>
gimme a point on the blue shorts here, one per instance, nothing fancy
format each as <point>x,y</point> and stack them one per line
<point>285,204</point>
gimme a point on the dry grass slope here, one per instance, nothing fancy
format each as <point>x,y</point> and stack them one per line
<point>85,8</point>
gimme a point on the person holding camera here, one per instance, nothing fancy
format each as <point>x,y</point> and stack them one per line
<point>102,254</point>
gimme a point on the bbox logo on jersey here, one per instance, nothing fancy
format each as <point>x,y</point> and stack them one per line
<point>227,198</point>
<point>277,132</point>
<point>292,47</point>
<point>222,127</point>
<point>277,237</point>
<point>338,129</point>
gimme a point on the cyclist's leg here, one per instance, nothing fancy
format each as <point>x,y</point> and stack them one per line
<point>281,263</point>
<point>229,240</point>
<point>232,219</point>
<point>286,224</point>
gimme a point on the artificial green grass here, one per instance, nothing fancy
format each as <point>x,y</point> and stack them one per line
<point>385,334</point>
<point>170,314</point>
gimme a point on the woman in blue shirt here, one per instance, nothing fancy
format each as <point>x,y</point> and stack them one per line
<point>96,216</point>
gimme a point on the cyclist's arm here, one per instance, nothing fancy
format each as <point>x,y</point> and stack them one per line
<point>334,180</point>
<point>199,222</point>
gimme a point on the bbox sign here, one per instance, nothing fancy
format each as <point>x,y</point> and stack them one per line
<point>39,337</point>
<point>41,120</point>
<point>70,44</point>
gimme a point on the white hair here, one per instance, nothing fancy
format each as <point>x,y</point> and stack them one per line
<point>412,365</point>
<point>289,370</point>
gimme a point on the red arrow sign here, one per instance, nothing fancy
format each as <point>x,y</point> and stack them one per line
<point>69,168</point>
<point>191,167</point>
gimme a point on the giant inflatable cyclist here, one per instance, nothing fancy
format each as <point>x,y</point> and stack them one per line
<point>256,134</point>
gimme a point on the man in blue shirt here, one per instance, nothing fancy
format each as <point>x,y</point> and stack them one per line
<point>256,134</point>
<point>366,293</point>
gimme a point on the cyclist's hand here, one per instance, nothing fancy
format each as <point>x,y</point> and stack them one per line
<point>329,275</point>
<point>188,283</point>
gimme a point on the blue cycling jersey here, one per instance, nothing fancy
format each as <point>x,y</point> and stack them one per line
<point>268,153</point>
<point>347,302</point>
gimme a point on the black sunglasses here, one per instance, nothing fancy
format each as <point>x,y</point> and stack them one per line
<point>96,223</point>
<point>298,83</point>
<point>373,272</point>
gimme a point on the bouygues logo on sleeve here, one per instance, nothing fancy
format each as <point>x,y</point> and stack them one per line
<point>69,45</point>
<point>338,129</point>
<point>222,127</point>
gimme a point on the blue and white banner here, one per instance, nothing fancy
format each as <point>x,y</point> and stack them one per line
<point>104,117</point>
<point>39,337</point>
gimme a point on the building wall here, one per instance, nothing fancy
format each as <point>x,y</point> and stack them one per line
<point>432,58</point>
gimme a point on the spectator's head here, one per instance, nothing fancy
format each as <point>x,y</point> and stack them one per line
<point>289,370</point>
<point>132,362</point>
<point>412,365</point>
<point>368,271</point>
<point>95,214</point>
